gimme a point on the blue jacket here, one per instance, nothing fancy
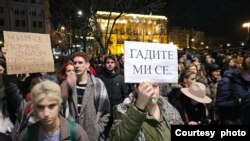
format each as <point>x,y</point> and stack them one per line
<point>231,88</point>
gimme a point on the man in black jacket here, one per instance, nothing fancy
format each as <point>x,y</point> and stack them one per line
<point>233,87</point>
<point>114,82</point>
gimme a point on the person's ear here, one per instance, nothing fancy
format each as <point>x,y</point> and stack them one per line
<point>185,80</point>
<point>87,64</point>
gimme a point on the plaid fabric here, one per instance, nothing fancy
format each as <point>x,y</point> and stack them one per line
<point>95,110</point>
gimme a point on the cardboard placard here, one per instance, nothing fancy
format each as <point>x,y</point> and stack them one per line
<point>28,52</point>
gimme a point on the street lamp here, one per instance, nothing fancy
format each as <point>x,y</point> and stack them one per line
<point>247,25</point>
<point>62,28</point>
<point>79,13</point>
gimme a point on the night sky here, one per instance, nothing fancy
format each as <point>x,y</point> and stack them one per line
<point>217,18</point>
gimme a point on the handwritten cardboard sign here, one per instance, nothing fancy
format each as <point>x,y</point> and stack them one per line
<point>150,62</point>
<point>28,52</point>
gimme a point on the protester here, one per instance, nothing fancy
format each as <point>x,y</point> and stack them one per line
<point>232,88</point>
<point>114,82</point>
<point>144,119</point>
<point>120,64</point>
<point>46,101</point>
<point>87,98</point>
<point>185,81</point>
<point>6,126</point>
<point>67,69</point>
<point>192,104</point>
<point>211,82</point>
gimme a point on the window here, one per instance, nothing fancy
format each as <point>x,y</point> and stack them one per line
<point>39,12</point>
<point>40,24</point>
<point>16,11</point>
<point>19,11</point>
<point>35,12</point>
<point>17,23</point>
<point>37,24</point>
<point>23,23</point>
<point>34,24</point>
<point>1,9</point>
<point>1,22</point>
<point>22,11</point>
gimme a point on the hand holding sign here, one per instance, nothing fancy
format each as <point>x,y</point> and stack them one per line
<point>146,92</point>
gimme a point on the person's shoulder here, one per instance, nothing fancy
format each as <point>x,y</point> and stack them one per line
<point>230,73</point>
<point>28,132</point>
<point>230,76</point>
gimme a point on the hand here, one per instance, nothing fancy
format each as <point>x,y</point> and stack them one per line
<point>145,91</point>
<point>71,80</point>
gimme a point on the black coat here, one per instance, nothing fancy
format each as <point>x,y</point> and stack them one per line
<point>117,89</point>
<point>231,88</point>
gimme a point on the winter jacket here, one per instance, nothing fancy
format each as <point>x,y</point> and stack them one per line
<point>81,135</point>
<point>116,88</point>
<point>231,88</point>
<point>129,123</point>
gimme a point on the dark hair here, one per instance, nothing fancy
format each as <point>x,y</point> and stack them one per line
<point>184,74</point>
<point>109,57</point>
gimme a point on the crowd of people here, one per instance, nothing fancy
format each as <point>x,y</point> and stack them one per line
<point>88,100</point>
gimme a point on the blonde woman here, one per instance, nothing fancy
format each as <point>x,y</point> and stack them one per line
<point>46,101</point>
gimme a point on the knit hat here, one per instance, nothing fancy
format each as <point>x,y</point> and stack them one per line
<point>213,67</point>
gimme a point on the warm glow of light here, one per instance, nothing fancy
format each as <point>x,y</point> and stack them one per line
<point>79,13</point>
<point>132,15</point>
<point>246,24</point>
<point>62,28</point>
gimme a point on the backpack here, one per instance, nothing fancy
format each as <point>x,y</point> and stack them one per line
<point>71,125</point>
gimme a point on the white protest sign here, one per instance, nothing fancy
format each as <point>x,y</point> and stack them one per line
<point>28,52</point>
<point>150,62</point>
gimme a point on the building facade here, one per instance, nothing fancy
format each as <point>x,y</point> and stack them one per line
<point>25,16</point>
<point>132,27</point>
<point>180,37</point>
